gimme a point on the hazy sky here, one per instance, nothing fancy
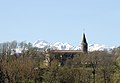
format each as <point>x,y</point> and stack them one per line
<point>60,20</point>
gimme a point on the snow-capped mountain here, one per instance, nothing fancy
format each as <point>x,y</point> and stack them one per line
<point>96,47</point>
<point>55,46</point>
<point>41,44</point>
<point>62,46</point>
<point>77,47</point>
<point>44,45</point>
<point>99,47</point>
<point>18,51</point>
<point>66,46</point>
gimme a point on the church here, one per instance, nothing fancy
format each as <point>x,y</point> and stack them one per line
<point>63,55</point>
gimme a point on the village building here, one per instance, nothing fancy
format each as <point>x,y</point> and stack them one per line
<point>63,55</point>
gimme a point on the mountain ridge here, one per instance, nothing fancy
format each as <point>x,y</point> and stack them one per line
<point>68,46</point>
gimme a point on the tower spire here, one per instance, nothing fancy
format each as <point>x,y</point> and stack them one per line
<point>84,38</point>
<point>84,45</point>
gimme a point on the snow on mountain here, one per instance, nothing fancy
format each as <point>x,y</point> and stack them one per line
<point>16,50</point>
<point>96,47</point>
<point>62,46</point>
<point>77,47</point>
<point>99,47</point>
<point>57,45</point>
<point>41,44</point>
<point>66,46</point>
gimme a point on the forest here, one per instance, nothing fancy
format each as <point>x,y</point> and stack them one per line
<point>28,66</point>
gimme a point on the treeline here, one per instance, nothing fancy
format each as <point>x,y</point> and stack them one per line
<point>7,48</point>
<point>94,67</point>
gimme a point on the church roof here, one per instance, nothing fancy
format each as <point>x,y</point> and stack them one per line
<point>84,39</point>
<point>64,51</point>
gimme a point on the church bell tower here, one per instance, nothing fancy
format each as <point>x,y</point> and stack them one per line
<point>84,44</point>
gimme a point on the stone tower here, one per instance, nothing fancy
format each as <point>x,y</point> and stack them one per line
<point>84,45</point>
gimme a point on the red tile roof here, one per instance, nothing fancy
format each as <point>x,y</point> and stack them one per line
<point>64,51</point>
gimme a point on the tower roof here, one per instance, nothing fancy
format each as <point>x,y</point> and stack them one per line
<point>84,39</point>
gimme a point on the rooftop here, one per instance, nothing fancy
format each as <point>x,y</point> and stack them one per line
<point>64,51</point>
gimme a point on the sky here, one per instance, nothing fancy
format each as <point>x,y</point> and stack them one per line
<point>61,20</point>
